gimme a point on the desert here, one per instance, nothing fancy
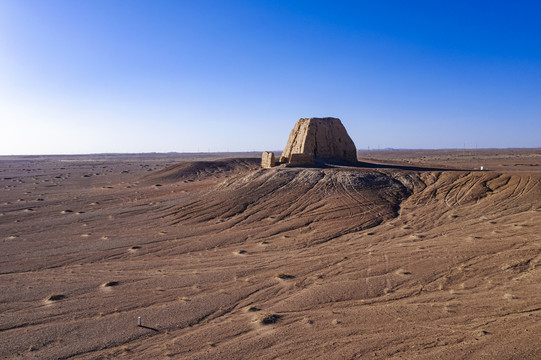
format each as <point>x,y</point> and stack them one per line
<point>331,180</point>
<point>407,254</point>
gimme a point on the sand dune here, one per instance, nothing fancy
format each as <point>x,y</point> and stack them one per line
<point>221,259</point>
<point>197,170</point>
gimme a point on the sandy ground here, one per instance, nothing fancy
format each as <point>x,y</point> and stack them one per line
<point>413,254</point>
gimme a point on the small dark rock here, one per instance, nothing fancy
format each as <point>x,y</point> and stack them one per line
<point>270,319</point>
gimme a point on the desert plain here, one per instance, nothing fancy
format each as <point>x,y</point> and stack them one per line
<point>409,255</point>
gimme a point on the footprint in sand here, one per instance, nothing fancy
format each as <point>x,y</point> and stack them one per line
<point>110,284</point>
<point>283,276</point>
<point>269,319</point>
<point>402,272</point>
<point>54,297</point>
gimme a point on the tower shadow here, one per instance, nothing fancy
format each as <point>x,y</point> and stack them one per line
<point>331,163</point>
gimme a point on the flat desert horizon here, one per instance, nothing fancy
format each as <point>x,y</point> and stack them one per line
<point>410,254</point>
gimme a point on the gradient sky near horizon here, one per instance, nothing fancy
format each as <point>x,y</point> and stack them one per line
<point>101,76</point>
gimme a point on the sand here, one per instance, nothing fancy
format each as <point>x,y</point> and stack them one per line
<point>412,254</point>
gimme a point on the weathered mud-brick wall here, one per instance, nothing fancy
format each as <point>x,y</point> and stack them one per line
<point>267,159</point>
<point>301,160</point>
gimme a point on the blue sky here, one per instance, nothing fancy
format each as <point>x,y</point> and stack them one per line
<point>157,76</point>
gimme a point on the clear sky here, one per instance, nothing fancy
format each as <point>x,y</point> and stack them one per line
<point>98,76</point>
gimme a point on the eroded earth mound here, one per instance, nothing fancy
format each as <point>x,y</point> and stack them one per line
<point>197,170</point>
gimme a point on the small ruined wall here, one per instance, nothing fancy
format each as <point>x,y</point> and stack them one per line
<point>268,160</point>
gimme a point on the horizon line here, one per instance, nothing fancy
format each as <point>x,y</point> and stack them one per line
<point>256,151</point>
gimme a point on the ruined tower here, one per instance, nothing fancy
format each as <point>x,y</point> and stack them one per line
<point>319,138</point>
